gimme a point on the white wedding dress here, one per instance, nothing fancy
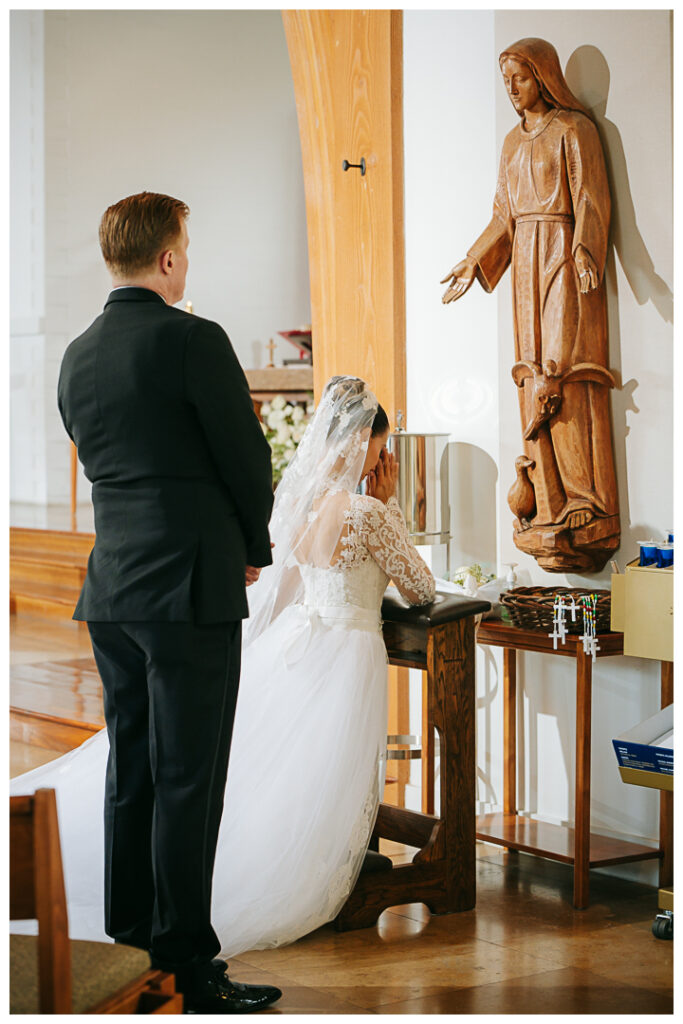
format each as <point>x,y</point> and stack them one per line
<point>307,762</point>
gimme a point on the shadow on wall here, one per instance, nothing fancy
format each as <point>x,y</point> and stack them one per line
<point>588,76</point>
<point>473,476</point>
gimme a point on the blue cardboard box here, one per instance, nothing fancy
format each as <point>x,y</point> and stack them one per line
<point>648,747</point>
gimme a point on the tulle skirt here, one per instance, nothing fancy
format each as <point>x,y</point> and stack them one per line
<point>305,778</point>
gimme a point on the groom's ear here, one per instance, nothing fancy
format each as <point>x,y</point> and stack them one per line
<point>165,261</point>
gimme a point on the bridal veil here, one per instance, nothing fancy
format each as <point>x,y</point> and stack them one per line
<point>313,498</point>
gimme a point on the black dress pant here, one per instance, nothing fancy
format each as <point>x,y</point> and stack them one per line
<point>170,690</point>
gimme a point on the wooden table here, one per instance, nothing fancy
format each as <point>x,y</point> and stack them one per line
<point>576,846</point>
<point>439,638</point>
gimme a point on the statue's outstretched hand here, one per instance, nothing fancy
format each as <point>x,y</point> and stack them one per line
<point>586,269</point>
<point>460,278</point>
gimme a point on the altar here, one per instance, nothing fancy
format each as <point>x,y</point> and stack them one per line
<point>295,383</point>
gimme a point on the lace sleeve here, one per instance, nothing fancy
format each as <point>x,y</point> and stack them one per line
<point>385,536</point>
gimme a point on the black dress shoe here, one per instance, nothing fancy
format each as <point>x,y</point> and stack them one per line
<point>216,993</point>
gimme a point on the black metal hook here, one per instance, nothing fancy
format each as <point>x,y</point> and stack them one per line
<point>346,165</point>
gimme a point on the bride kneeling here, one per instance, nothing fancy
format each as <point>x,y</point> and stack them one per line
<point>308,753</point>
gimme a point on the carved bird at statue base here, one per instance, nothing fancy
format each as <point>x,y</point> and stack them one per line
<point>521,496</point>
<point>547,387</point>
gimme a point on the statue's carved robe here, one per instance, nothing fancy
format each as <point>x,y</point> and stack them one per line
<point>552,196</point>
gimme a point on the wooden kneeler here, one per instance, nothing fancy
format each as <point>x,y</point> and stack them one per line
<point>439,638</point>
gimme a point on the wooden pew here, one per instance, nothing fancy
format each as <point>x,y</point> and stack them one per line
<point>49,973</point>
<point>438,638</point>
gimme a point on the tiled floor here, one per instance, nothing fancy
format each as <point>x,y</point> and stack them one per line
<point>523,950</point>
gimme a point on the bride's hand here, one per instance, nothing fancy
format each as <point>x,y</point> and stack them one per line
<point>382,480</point>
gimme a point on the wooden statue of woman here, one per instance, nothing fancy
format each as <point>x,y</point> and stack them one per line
<point>550,223</point>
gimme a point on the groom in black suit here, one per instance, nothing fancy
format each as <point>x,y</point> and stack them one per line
<point>160,412</point>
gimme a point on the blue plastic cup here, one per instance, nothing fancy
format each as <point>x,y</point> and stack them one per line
<point>670,537</point>
<point>648,552</point>
<point>665,556</point>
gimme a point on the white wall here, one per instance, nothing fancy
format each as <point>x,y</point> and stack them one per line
<point>449,153</point>
<point>198,104</point>
<point>27,264</point>
<point>456,116</point>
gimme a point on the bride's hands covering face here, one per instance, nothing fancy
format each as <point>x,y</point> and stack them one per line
<point>381,481</point>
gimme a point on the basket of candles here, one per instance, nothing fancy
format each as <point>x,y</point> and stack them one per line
<point>535,607</point>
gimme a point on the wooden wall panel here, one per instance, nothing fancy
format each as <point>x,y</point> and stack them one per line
<point>347,68</point>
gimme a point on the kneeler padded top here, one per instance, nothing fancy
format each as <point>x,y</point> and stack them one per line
<point>444,608</point>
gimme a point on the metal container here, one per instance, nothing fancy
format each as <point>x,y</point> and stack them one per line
<point>423,484</point>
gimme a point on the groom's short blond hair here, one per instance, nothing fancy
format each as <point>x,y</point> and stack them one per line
<point>137,229</point>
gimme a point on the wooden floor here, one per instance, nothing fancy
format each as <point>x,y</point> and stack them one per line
<point>523,950</point>
<point>55,691</point>
<point>52,517</point>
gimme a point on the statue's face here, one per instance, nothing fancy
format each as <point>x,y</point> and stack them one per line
<point>521,84</point>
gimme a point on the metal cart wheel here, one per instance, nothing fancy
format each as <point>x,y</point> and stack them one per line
<point>663,925</point>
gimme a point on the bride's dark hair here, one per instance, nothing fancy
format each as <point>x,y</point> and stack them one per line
<point>345,392</point>
<point>380,422</point>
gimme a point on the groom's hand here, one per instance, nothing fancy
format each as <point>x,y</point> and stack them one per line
<point>251,575</point>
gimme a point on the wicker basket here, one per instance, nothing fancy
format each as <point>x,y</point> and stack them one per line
<point>532,607</point>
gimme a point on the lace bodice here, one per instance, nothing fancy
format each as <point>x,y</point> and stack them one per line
<point>375,548</point>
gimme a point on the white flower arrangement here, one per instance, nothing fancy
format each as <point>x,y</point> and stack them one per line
<point>284,425</point>
<point>478,575</point>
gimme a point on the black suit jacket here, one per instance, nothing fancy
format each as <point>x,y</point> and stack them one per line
<point>160,411</point>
